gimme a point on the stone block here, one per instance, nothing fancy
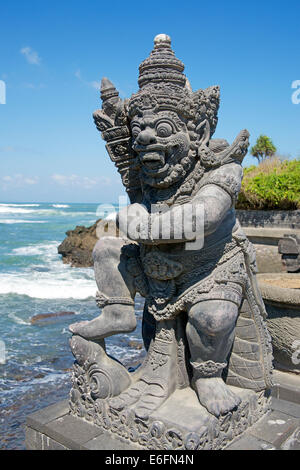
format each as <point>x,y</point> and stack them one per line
<point>248,442</point>
<point>40,418</point>
<point>71,431</point>
<point>275,428</point>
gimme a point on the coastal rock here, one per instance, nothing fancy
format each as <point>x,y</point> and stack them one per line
<point>49,317</point>
<point>76,249</point>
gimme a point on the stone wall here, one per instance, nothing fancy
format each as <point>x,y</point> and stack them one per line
<point>264,229</point>
<point>272,219</point>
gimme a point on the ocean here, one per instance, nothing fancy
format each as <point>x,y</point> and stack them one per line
<point>35,359</point>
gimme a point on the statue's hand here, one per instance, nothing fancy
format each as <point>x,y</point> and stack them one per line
<point>131,219</point>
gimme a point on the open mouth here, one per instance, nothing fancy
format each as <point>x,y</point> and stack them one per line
<point>152,160</point>
<point>157,172</point>
<point>154,164</point>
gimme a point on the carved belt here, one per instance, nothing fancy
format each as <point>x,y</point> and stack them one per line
<point>158,265</point>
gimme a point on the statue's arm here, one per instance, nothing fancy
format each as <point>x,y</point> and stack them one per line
<point>182,223</point>
<point>185,222</point>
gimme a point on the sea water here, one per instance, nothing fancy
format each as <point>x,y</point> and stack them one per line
<point>35,360</point>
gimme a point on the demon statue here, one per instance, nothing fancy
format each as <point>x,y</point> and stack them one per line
<point>207,372</point>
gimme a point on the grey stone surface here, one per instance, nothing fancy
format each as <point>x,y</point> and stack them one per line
<point>267,257</point>
<point>42,417</point>
<point>292,442</point>
<point>272,219</point>
<point>276,428</point>
<point>286,386</point>
<point>248,442</point>
<point>33,438</point>
<point>208,350</point>
<point>289,247</point>
<point>71,431</point>
<point>265,241</point>
<point>283,322</point>
<point>107,442</point>
<point>286,407</point>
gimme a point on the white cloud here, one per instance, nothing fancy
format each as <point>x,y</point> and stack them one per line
<point>93,84</point>
<point>85,182</point>
<point>17,180</point>
<point>30,55</point>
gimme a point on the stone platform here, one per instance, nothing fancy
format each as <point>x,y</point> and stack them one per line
<point>54,428</point>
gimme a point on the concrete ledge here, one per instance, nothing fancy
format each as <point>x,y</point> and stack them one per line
<point>286,387</point>
<point>279,429</point>
<point>271,218</point>
<point>276,431</point>
<point>53,428</point>
<point>41,418</point>
<point>268,236</point>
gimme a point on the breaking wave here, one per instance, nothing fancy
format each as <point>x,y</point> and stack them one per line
<point>54,281</point>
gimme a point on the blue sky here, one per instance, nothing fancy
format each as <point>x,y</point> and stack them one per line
<point>54,53</point>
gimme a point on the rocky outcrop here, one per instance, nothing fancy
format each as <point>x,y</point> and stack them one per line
<point>42,318</point>
<point>77,247</point>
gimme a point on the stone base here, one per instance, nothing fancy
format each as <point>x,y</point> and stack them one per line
<point>53,428</point>
<point>180,423</point>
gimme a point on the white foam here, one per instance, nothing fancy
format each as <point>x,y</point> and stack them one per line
<point>60,281</point>
<point>49,285</point>
<point>18,320</point>
<point>21,221</point>
<point>44,212</point>
<point>48,249</point>
<point>19,205</point>
<point>15,210</point>
<point>56,281</point>
<point>60,205</point>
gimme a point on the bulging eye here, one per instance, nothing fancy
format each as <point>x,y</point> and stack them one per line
<point>164,129</point>
<point>135,131</point>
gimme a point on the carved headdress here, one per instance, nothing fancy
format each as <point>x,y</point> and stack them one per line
<point>162,82</point>
<point>163,86</point>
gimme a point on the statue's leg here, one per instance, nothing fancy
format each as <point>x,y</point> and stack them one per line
<point>210,333</point>
<point>117,285</point>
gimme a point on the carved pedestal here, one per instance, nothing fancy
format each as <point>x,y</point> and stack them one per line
<point>180,423</point>
<point>155,406</point>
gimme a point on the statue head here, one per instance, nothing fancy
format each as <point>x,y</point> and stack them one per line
<point>162,132</point>
<point>166,120</point>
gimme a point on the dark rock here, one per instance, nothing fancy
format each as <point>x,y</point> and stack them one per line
<point>77,247</point>
<point>46,317</point>
<point>135,344</point>
<point>39,376</point>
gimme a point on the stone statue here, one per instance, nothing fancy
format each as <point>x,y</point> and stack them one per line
<point>203,322</point>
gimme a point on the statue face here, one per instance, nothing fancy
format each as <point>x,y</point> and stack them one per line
<point>162,143</point>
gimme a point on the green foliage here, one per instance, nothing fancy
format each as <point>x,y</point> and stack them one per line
<point>272,185</point>
<point>263,148</point>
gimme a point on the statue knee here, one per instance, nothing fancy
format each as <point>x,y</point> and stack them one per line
<point>213,317</point>
<point>107,248</point>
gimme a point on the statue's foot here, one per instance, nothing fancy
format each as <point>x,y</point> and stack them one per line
<point>214,394</point>
<point>128,398</point>
<point>113,320</point>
